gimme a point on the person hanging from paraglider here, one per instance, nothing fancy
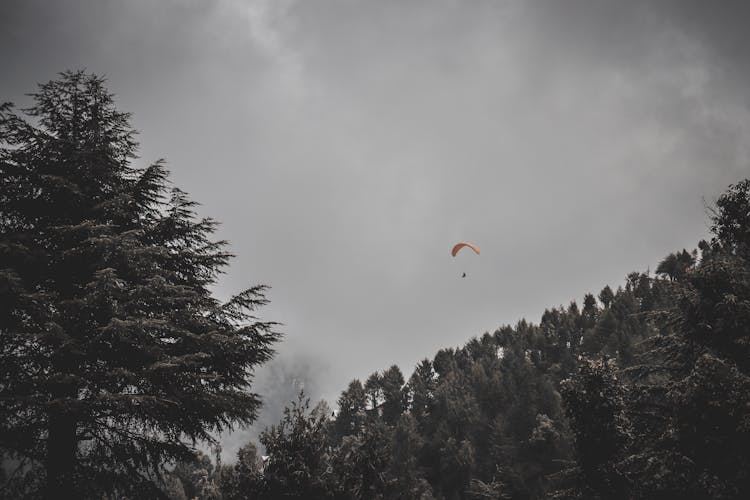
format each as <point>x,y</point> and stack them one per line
<point>459,246</point>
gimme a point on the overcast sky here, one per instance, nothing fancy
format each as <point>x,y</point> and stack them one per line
<point>345,146</point>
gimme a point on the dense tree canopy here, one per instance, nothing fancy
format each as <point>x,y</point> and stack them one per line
<point>641,394</point>
<point>114,355</point>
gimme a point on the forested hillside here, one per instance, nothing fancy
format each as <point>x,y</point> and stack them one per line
<point>638,392</point>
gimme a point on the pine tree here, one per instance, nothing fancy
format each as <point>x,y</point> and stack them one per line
<point>606,296</point>
<point>594,405</point>
<point>710,402</point>
<point>352,404</point>
<point>676,265</point>
<point>689,388</point>
<point>298,462</point>
<point>114,355</point>
<point>590,311</point>
<point>361,462</point>
<point>374,392</point>
<point>420,390</point>
<point>405,482</point>
<point>731,220</point>
<point>394,395</point>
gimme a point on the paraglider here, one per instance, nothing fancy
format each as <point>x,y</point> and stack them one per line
<point>459,246</point>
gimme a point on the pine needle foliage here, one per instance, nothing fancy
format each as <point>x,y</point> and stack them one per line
<point>115,357</point>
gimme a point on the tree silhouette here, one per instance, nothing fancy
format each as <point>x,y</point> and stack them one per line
<point>115,355</point>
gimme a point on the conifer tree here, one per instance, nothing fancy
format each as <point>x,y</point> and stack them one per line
<point>394,395</point>
<point>420,391</point>
<point>352,404</point>
<point>114,355</point>
<point>606,296</point>
<point>405,482</point>
<point>374,392</point>
<point>590,311</point>
<point>709,397</point>
<point>594,405</point>
<point>298,462</point>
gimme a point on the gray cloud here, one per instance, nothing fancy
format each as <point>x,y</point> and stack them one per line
<point>347,145</point>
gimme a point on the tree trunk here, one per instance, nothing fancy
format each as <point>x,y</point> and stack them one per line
<point>62,446</point>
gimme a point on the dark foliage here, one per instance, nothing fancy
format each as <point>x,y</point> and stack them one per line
<point>114,355</point>
<point>643,394</point>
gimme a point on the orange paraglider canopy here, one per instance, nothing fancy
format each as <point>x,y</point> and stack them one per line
<point>459,246</point>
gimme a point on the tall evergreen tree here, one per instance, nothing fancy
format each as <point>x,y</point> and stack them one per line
<point>114,355</point>
<point>606,296</point>
<point>731,220</point>
<point>374,392</point>
<point>594,405</point>
<point>710,406</point>
<point>298,462</point>
<point>590,311</point>
<point>688,389</point>
<point>420,390</point>
<point>394,395</point>
<point>352,404</point>
<point>405,482</point>
<point>676,265</point>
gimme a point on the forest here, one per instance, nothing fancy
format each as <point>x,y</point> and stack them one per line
<point>116,359</point>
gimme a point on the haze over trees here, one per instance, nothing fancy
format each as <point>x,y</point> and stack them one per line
<point>114,356</point>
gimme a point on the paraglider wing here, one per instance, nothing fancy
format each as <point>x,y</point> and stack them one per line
<point>459,246</point>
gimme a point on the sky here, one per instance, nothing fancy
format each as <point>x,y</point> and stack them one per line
<point>346,145</point>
